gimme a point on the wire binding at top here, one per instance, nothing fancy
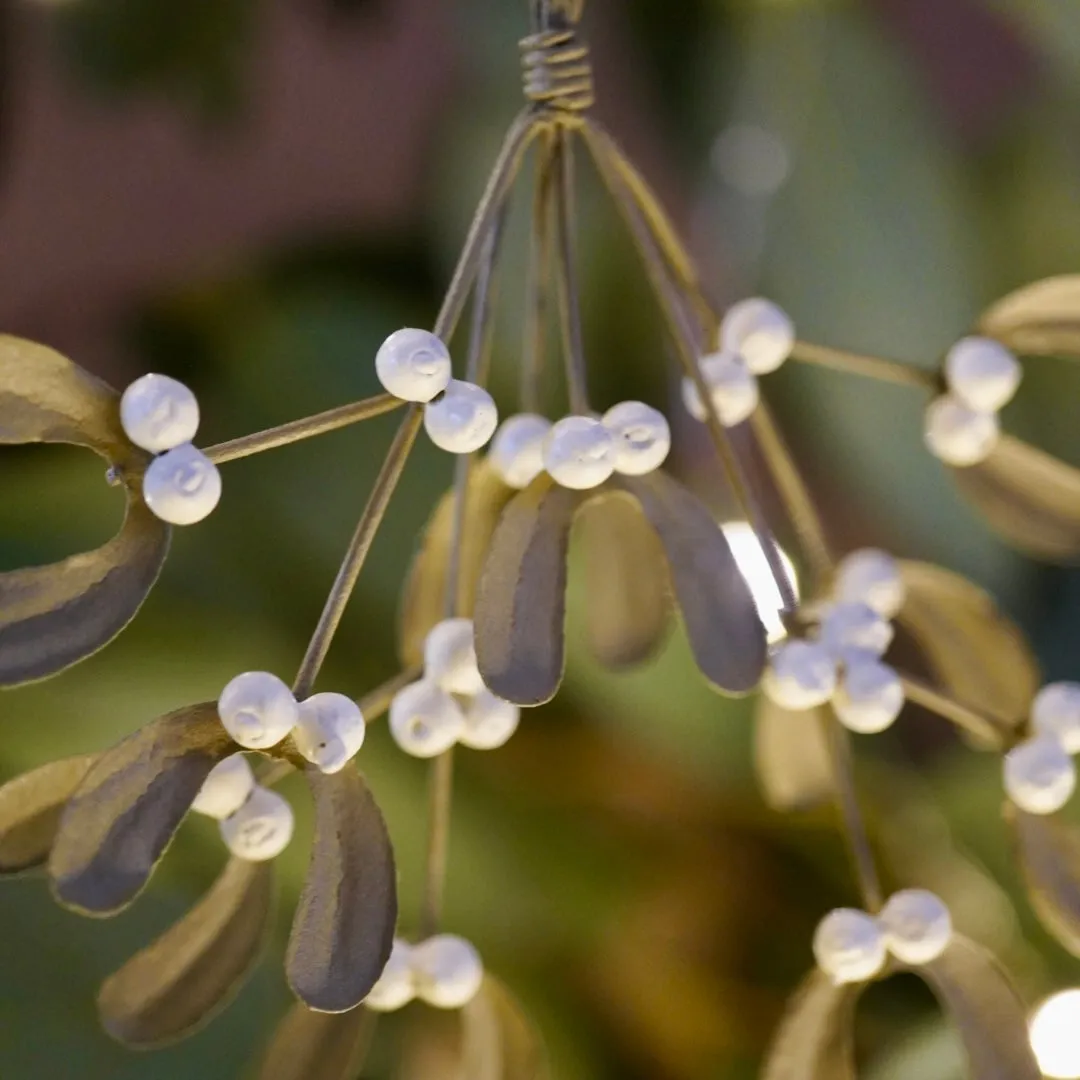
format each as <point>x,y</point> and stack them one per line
<point>557,73</point>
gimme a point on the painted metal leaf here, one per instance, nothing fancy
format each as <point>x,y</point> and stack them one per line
<point>791,756</point>
<point>814,1039</point>
<point>30,810</point>
<point>343,929</point>
<point>722,624</point>
<point>521,603</point>
<point>629,601</point>
<point>1031,499</point>
<point>973,650</point>
<point>122,816</point>
<point>1040,319</point>
<point>499,1042</point>
<point>423,601</point>
<point>197,966</point>
<point>318,1046</point>
<point>986,1011</point>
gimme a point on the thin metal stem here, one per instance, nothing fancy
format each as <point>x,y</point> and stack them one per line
<point>307,428</point>
<point>536,295</point>
<point>870,367</point>
<point>947,707</point>
<point>440,797</point>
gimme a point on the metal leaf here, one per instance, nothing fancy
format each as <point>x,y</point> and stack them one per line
<point>521,604</point>
<point>196,967</point>
<point>987,1012</point>
<point>814,1039</point>
<point>1040,319</point>
<point>344,924</point>
<point>791,756</point>
<point>1032,500</point>
<point>722,624</point>
<point>629,601</point>
<point>973,650</point>
<point>122,816</point>
<point>423,601</point>
<point>317,1046</point>
<point>499,1042</point>
<point>30,809</point>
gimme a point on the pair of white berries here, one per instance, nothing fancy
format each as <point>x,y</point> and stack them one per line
<point>444,971</point>
<point>450,703</point>
<point>1039,773</point>
<point>961,426</point>
<point>756,337</point>
<point>842,664</point>
<point>414,365</point>
<point>182,485</point>
<point>258,710</point>
<point>851,946</point>
<point>581,452</point>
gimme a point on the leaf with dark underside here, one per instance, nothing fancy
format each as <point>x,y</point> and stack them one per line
<point>122,816</point>
<point>499,1042</point>
<point>318,1046</point>
<point>30,810</point>
<point>791,756</point>
<point>343,929</point>
<point>986,1011</point>
<point>722,624</point>
<point>1041,319</point>
<point>521,604</point>
<point>197,966</point>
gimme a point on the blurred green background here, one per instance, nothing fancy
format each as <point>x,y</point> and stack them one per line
<point>250,195</point>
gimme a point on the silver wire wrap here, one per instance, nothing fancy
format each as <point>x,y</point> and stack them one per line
<point>556,71</point>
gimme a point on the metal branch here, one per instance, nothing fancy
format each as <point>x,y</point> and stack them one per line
<point>870,367</point>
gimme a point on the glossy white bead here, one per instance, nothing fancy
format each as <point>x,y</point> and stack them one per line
<point>958,435</point>
<point>489,721</point>
<point>733,389</point>
<point>463,419</point>
<point>425,720</point>
<point>642,437</point>
<point>872,577</point>
<point>258,710</point>
<point>413,365</point>
<point>330,731</point>
<point>159,413</point>
<point>854,625</point>
<point>1040,777</point>
<point>261,829</point>
<point>917,925</point>
<point>1056,711</point>
<point>450,657</point>
<point>982,373</point>
<point>226,788</point>
<point>800,675</point>
<point>517,451</point>
<point>396,986</point>
<point>869,695</point>
<point>760,332</point>
<point>448,971</point>
<point>182,486</point>
<point>849,946</point>
<point>579,452</point>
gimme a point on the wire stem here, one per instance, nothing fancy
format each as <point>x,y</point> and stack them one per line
<point>963,716</point>
<point>440,798</point>
<point>870,367</point>
<point>534,347</point>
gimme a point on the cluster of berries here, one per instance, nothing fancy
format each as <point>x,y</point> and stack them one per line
<point>1040,774</point>
<point>444,971</point>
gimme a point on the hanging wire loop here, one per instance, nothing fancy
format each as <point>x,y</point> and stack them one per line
<point>557,74</point>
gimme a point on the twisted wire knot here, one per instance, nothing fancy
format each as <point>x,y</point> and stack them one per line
<point>556,71</point>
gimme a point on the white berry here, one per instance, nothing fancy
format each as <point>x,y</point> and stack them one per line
<point>450,657</point>
<point>1056,711</point>
<point>489,721</point>
<point>261,829</point>
<point>800,675</point>
<point>760,332</point>
<point>849,946</point>
<point>869,695</point>
<point>330,730</point>
<point>854,625</point>
<point>958,435</point>
<point>258,710</point>
<point>463,419</point>
<point>1040,777</point>
<point>159,413</point>
<point>982,373</point>
<point>226,788</point>
<point>448,971</point>
<point>732,387</point>
<point>917,925</point>
<point>182,486</point>
<point>396,986</point>
<point>579,452</point>
<point>642,437</point>
<point>517,451</point>
<point>413,365</point>
<point>872,577</point>
<point>425,720</point>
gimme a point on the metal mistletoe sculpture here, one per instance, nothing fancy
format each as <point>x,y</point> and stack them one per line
<point>481,635</point>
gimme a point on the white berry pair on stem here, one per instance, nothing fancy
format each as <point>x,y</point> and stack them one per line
<point>1040,774</point>
<point>444,971</point>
